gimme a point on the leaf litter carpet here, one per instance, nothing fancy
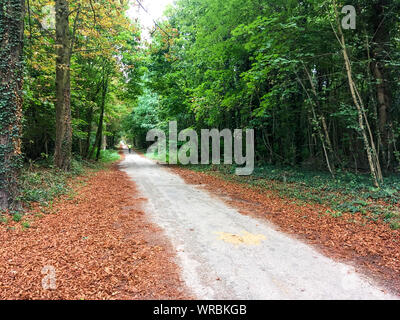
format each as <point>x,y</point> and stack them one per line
<point>98,245</point>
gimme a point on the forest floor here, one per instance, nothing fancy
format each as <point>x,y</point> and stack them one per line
<point>98,243</point>
<point>370,245</point>
<point>105,240</point>
<point>229,249</point>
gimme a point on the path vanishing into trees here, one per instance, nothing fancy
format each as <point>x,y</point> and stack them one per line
<point>226,255</point>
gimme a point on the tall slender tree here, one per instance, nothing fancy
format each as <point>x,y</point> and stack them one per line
<point>11,66</point>
<point>383,23</point>
<point>64,45</point>
<point>62,157</point>
<point>99,133</point>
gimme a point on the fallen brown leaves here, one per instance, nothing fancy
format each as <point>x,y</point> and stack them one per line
<point>100,244</point>
<point>371,246</point>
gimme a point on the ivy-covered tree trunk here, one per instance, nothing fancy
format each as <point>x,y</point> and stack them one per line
<point>62,155</point>
<point>11,47</point>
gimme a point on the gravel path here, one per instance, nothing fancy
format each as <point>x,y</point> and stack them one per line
<point>226,255</point>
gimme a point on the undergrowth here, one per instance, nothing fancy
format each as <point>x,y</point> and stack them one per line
<point>348,192</point>
<point>40,182</point>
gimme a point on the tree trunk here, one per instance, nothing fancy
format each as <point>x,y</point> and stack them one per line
<point>381,39</point>
<point>62,156</point>
<point>89,119</point>
<point>99,132</point>
<point>369,144</point>
<point>325,136</point>
<point>104,145</point>
<point>11,50</point>
<point>103,103</point>
<point>315,124</point>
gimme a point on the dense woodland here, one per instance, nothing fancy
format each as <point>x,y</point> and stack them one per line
<point>76,76</point>
<point>316,95</point>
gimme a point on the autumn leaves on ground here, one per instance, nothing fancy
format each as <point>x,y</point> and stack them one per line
<point>99,243</point>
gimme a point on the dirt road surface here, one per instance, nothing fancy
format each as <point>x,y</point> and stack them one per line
<point>226,255</point>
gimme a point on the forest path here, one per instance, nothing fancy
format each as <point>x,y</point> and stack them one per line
<point>226,255</point>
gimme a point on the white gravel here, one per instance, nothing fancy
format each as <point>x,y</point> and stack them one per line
<point>278,267</point>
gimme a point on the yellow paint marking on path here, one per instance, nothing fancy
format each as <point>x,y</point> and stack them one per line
<point>245,238</point>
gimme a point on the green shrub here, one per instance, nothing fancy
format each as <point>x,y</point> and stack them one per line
<point>17,217</point>
<point>395,225</point>
<point>107,156</point>
<point>25,225</point>
<point>3,219</point>
<point>42,185</point>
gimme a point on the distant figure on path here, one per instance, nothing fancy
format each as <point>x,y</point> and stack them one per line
<point>129,148</point>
